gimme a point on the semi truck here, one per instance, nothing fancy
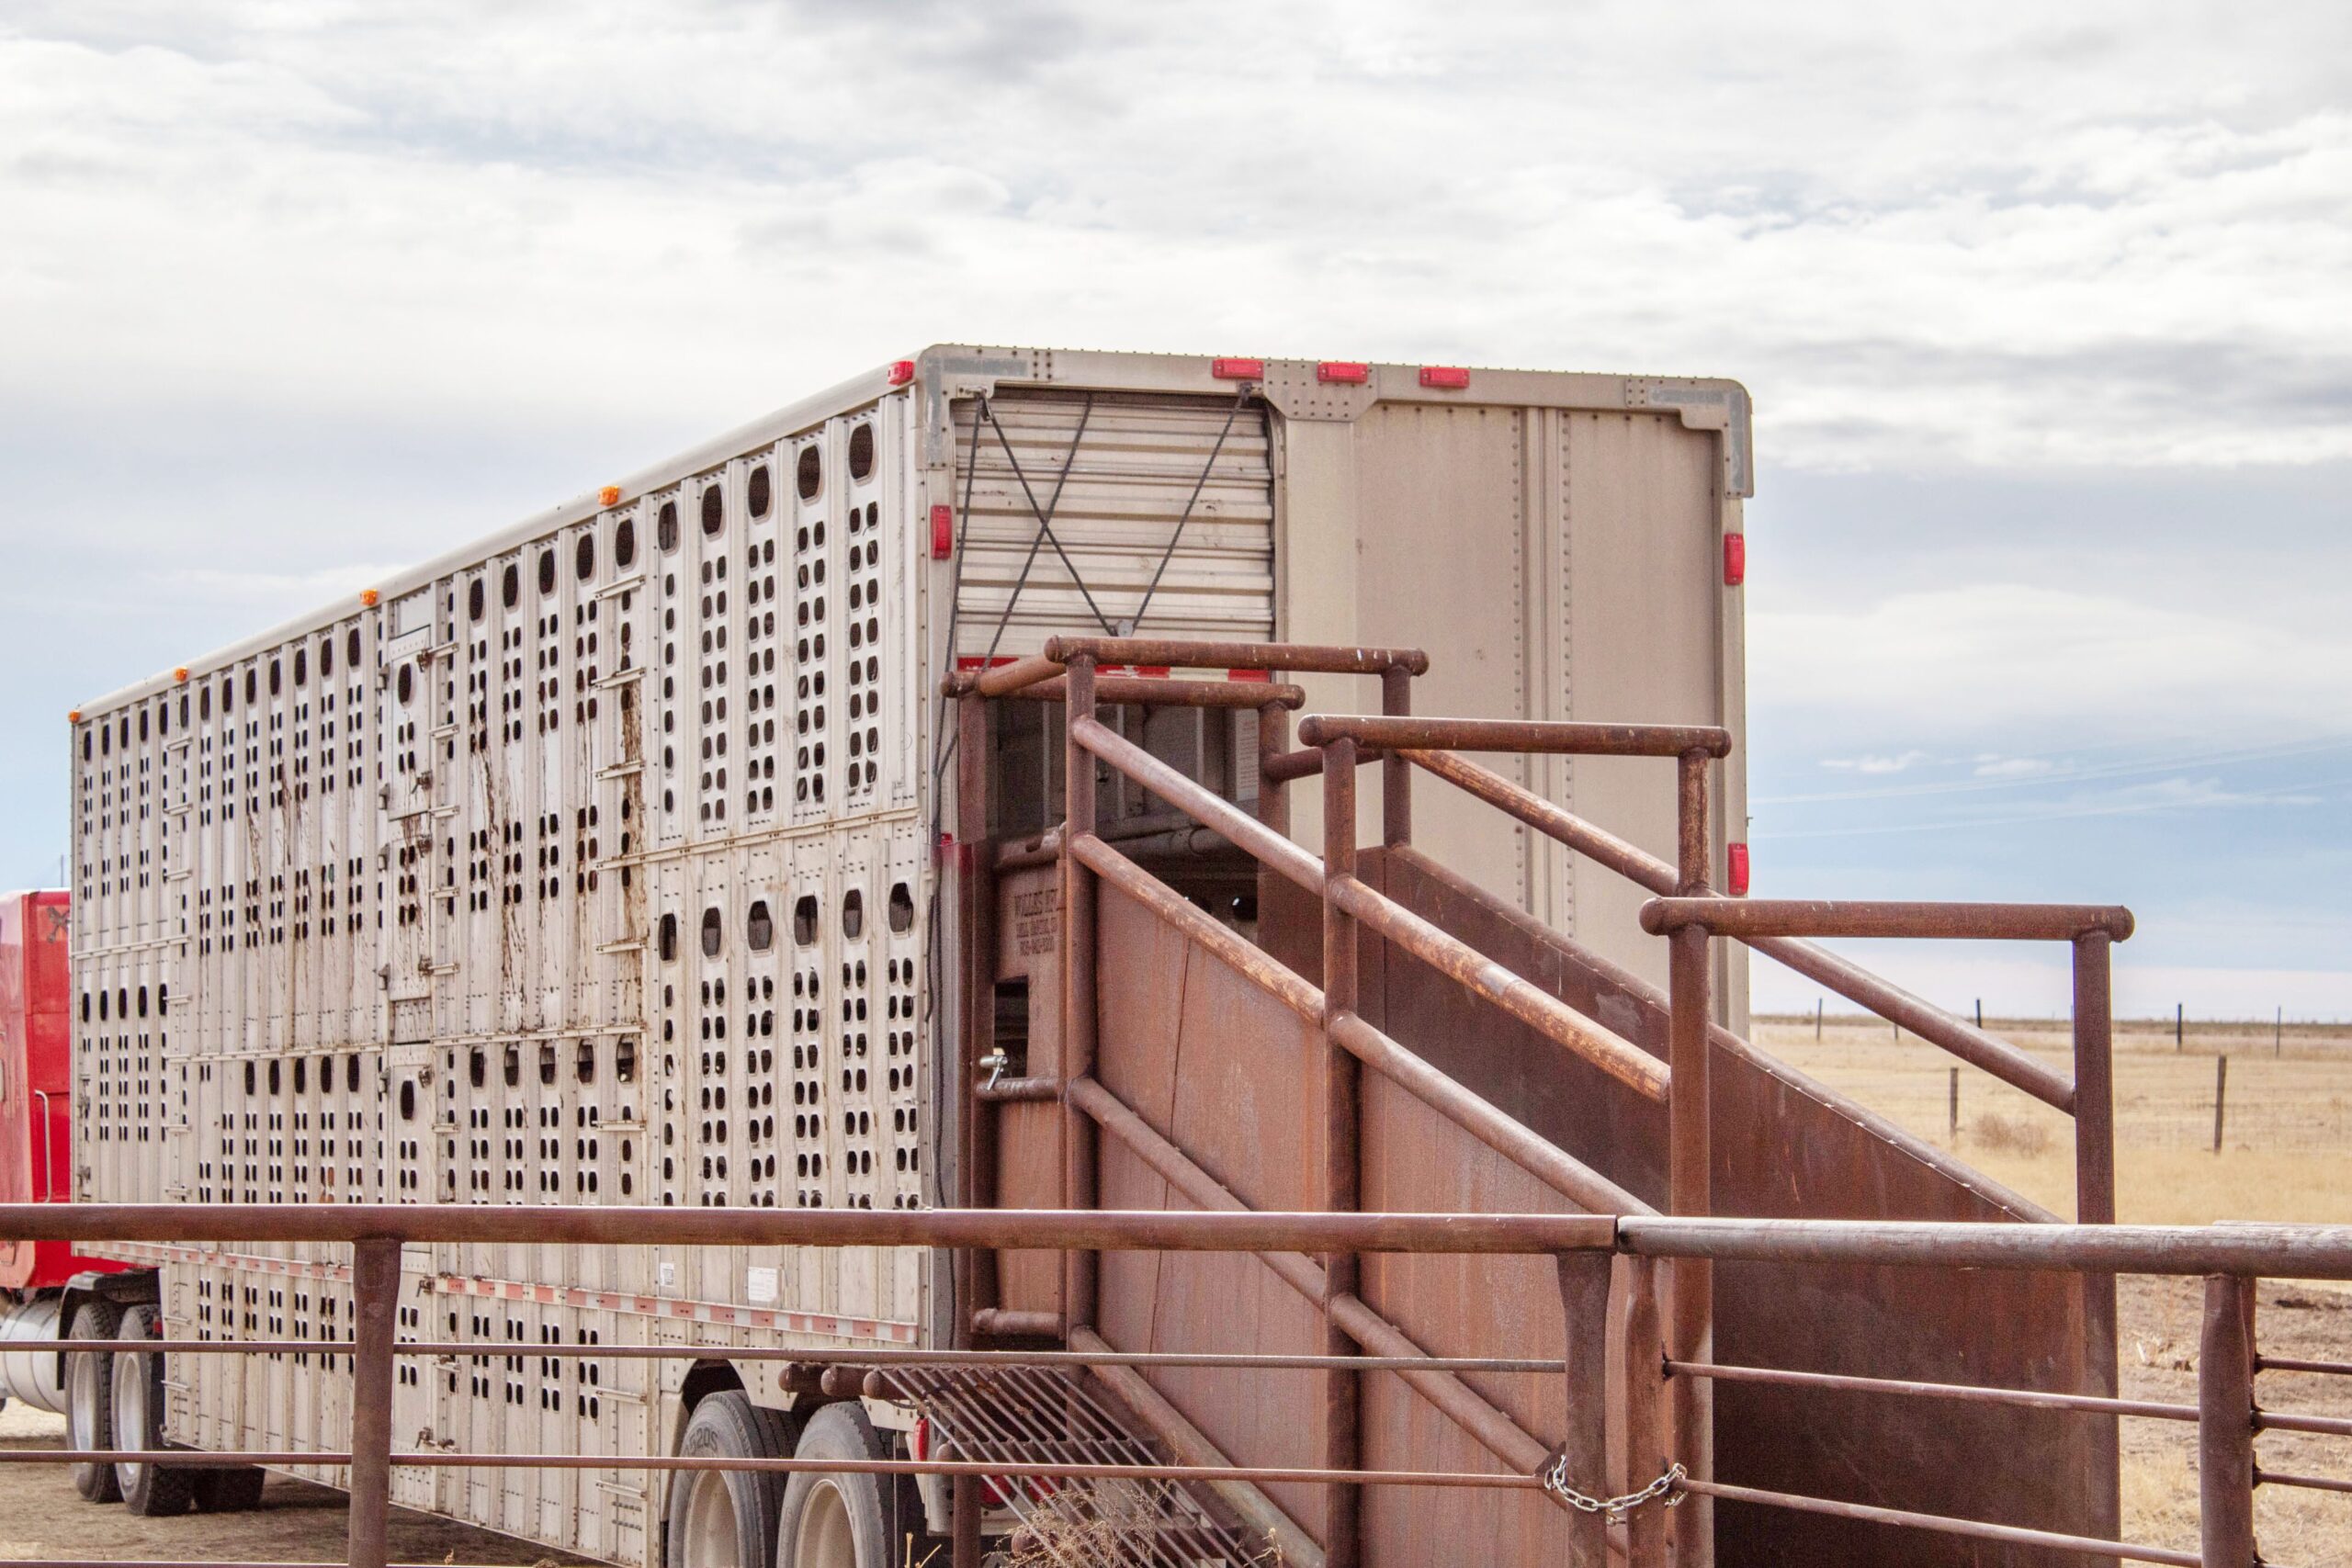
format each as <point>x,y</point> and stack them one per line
<point>657,851</point>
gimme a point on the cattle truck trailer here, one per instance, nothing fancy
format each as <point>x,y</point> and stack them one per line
<point>601,861</point>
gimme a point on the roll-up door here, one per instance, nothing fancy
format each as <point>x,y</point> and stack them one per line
<point>1159,508</point>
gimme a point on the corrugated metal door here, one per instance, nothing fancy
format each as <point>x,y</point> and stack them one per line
<point>1160,508</point>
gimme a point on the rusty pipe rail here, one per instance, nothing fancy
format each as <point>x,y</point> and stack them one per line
<point>1746,917</point>
<point>1144,690</point>
<point>1545,737</point>
<point>1178,653</point>
<point>1204,805</point>
<point>1538,1010</point>
<point>2230,1256</point>
<point>1099,1230</point>
<point>1850,980</point>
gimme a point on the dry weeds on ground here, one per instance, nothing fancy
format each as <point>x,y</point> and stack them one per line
<point>2286,1156</point>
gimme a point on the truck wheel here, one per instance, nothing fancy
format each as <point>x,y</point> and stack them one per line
<point>229,1488</point>
<point>833,1519</point>
<point>89,1398</point>
<point>154,1490</point>
<point>726,1519</point>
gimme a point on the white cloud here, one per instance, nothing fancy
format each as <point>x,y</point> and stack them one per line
<point>2004,661</point>
<point>2031,239</point>
<point>1894,764</point>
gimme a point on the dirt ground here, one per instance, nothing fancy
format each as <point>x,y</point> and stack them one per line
<point>2286,1156</point>
<point>43,1515</point>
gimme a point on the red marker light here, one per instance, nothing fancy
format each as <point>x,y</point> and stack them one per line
<point>1238,369</point>
<point>1736,864</point>
<point>1452,378</point>
<point>943,532</point>
<point>1343,372</point>
<point>1734,559</point>
<point>902,372</point>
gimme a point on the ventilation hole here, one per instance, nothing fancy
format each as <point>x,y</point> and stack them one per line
<point>760,932</point>
<point>408,1102</point>
<point>804,919</point>
<point>405,681</point>
<point>665,527</point>
<point>861,452</point>
<point>301,666</point>
<point>477,1070</point>
<point>714,513</point>
<point>625,1062</point>
<point>350,648</point>
<point>546,571</point>
<point>756,493</point>
<point>585,1063</point>
<point>547,1061</point>
<point>273,685</point>
<point>510,588</point>
<point>584,558</point>
<point>625,545</point>
<point>666,945</point>
<point>477,601</point>
<point>326,667</point>
<point>711,932</point>
<point>903,908</point>
<point>853,915</point>
<point>513,1067</point>
<point>812,473</point>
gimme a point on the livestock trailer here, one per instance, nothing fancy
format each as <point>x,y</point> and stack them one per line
<point>602,862</point>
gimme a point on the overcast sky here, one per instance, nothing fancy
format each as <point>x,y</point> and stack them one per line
<point>2047,312</point>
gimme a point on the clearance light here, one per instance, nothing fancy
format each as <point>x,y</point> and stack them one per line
<point>367,598</point>
<point>902,372</point>
<point>1343,372</point>
<point>1734,559</point>
<point>74,715</point>
<point>943,532</point>
<point>1451,378</point>
<point>1238,369</point>
<point>609,496</point>
<point>180,674</point>
<point>1736,857</point>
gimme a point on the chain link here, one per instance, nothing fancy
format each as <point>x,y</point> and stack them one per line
<point>1668,1486</point>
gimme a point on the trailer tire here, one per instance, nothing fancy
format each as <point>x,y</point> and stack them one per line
<point>89,1397</point>
<point>835,1519</point>
<point>727,1518</point>
<point>229,1488</point>
<point>152,1491</point>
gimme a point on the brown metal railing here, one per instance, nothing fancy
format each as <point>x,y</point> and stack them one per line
<point>1688,914</point>
<point>1588,1249</point>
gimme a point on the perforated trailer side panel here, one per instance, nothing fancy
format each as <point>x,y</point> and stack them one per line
<point>588,871</point>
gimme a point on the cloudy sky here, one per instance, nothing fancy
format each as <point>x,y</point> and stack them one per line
<point>2047,311</point>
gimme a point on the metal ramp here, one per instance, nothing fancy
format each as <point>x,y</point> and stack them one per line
<point>1032,1416</point>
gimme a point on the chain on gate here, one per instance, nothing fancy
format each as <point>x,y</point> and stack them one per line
<point>1614,1509</point>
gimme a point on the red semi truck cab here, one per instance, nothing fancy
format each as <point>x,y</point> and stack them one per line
<point>36,1083</point>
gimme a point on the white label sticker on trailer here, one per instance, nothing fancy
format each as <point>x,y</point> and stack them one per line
<point>665,1275</point>
<point>762,1286</point>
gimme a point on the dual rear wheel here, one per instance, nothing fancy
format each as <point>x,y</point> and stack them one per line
<point>115,1400</point>
<point>739,1518</point>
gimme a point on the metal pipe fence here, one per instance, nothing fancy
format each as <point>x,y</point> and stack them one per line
<point>1586,1248</point>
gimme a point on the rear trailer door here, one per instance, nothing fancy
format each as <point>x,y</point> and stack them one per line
<point>1110,513</point>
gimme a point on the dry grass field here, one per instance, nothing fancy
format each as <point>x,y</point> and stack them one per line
<point>2286,1156</point>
